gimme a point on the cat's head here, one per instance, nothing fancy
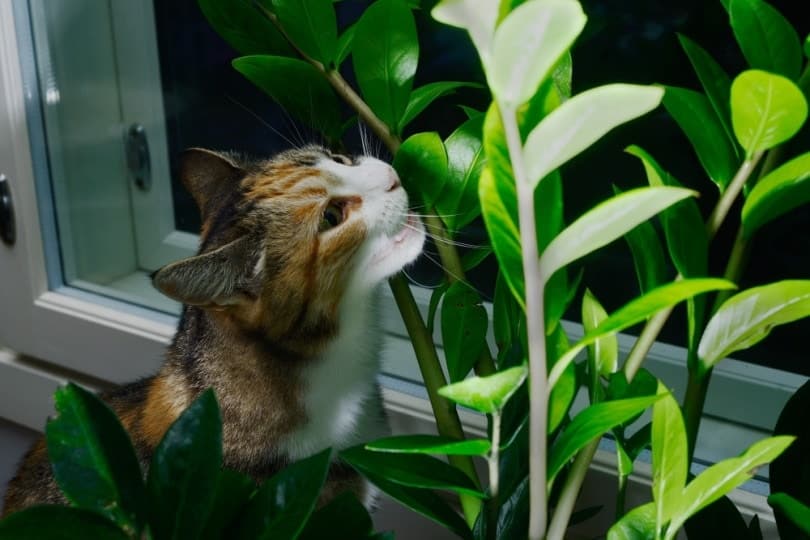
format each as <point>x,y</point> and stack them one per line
<point>285,241</point>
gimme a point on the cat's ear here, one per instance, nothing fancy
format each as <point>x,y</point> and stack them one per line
<point>208,175</point>
<point>222,277</point>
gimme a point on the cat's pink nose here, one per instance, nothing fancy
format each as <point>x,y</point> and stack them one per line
<point>393,181</point>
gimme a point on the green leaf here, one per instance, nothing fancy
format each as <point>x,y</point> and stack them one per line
<point>59,523</point>
<point>344,44</point>
<point>561,398</point>
<point>592,422</point>
<point>648,256</point>
<point>766,110</point>
<point>283,504</point>
<point>425,502</point>
<point>478,18</point>
<point>474,257</point>
<point>311,25</point>
<point>296,86</point>
<point>184,471</point>
<point>343,517</point>
<point>748,317</point>
<point>715,81</point>
<point>721,478</point>
<point>433,305</point>
<point>421,163</point>
<point>638,524</point>
<point>669,456</point>
<point>486,394</point>
<point>412,470</point>
<point>232,492</point>
<point>244,27</point>
<point>605,223</point>
<point>643,384</point>
<point>93,460</point>
<point>807,46</point>
<point>768,41</point>
<point>527,44</point>
<point>464,329</point>
<point>513,518</point>
<point>782,190</point>
<point>505,315</point>
<point>794,510</point>
<point>721,519</point>
<point>458,203</point>
<point>694,114</point>
<point>582,120</point>
<point>603,353</point>
<point>430,444</point>
<point>423,96</point>
<point>385,55</point>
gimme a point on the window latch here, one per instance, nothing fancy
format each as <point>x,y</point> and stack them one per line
<point>137,153</point>
<point>8,231</point>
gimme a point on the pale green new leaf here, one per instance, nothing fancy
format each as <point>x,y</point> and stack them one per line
<point>748,317</point>
<point>782,190</point>
<point>527,44</point>
<point>721,478</point>
<point>669,456</point>
<point>581,121</point>
<point>478,17</point>
<point>766,110</point>
<point>603,352</point>
<point>637,524</point>
<point>486,394</point>
<point>430,444</point>
<point>605,223</point>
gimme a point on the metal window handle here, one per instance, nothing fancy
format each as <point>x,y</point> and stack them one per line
<point>8,230</point>
<point>137,151</point>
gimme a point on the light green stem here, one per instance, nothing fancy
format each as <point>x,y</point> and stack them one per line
<point>570,491</point>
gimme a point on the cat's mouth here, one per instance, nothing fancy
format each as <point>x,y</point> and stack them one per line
<point>412,226</point>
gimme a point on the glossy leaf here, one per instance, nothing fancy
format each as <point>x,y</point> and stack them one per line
<point>561,398</point>
<point>748,317</point>
<point>592,422</point>
<point>694,114</point>
<point>603,352</point>
<point>486,394</point>
<point>343,517</point>
<point>283,504</point>
<point>423,96</point>
<point>430,444</point>
<point>643,384</point>
<point>233,490</point>
<point>605,223</point>
<point>648,256</point>
<point>768,41</point>
<point>59,523</point>
<point>513,517</point>
<point>782,190</point>
<point>184,471</point>
<point>93,460</point>
<point>385,54</point>
<point>458,203</point>
<point>242,25</point>
<point>721,478</point>
<point>433,305</point>
<point>296,86</point>
<point>464,329</point>
<point>669,456</point>
<point>638,524</point>
<point>474,257</point>
<point>344,44</point>
<point>478,17</point>
<point>721,519</point>
<point>527,44</point>
<point>766,110</point>
<point>581,121</point>
<point>413,470</point>
<point>311,25</point>
<point>715,81</point>
<point>794,510</point>
<point>421,163</point>
<point>425,502</point>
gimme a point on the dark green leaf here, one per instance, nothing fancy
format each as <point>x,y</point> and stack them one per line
<point>643,384</point>
<point>430,444</point>
<point>513,517</point>
<point>232,493</point>
<point>433,305</point>
<point>721,519</point>
<point>184,472</point>
<point>807,46</point>
<point>385,55</point>
<point>311,25</point>
<point>242,25</point>
<point>282,505</point>
<point>343,517</point>
<point>344,44</point>
<point>754,529</point>
<point>423,96</point>
<point>421,163</point>
<point>768,41</point>
<point>458,203</point>
<point>474,257</point>
<point>296,86</point>
<point>782,190</point>
<point>59,523</point>
<point>486,394</point>
<point>505,314</point>
<point>638,524</point>
<point>93,460</point>
<point>464,329</point>
<point>794,510</point>
<point>413,470</point>
<point>694,114</point>
<point>648,257</point>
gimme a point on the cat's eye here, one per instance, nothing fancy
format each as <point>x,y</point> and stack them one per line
<point>332,217</point>
<point>340,158</point>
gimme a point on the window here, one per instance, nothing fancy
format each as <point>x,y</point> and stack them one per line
<point>78,78</point>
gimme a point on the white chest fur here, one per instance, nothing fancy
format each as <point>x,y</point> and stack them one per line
<point>340,391</point>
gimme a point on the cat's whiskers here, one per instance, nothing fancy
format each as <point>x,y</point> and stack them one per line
<point>262,121</point>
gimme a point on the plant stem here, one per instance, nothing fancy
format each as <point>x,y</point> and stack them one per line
<point>728,197</point>
<point>493,461</point>
<point>570,491</point>
<point>535,326</point>
<point>621,497</point>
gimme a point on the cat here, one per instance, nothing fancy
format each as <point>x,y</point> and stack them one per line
<point>278,318</point>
